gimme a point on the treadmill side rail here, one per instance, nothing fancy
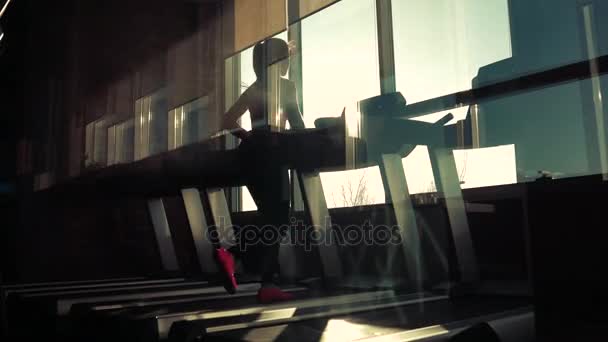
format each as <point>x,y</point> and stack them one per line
<point>163,234</point>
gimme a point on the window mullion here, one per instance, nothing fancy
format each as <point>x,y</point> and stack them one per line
<point>386,52</point>
<point>294,34</point>
<point>233,91</point>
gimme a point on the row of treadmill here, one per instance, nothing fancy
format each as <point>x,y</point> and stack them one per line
<point>328,307</point>
<point>430,286</point>
<point>177,309</point>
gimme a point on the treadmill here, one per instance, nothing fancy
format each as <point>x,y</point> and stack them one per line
<point>450,308</point>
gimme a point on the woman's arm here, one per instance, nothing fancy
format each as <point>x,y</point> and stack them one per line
<point>230,119</point>
<point>292,107</point>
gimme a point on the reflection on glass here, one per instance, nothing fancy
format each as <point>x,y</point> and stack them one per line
<point>548,128</point>
<point>151,125</point>
<point>187,123</point>
<point>444,58</point>
<point>441,44</point>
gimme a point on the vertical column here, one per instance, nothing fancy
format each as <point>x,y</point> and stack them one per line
<point>199,228</point>
<point>158,216</point>
<point>294,34</point>
<point>232,91</point>
<point>386,54</point>
<point>405,216</point>
<point>475,126</point>
<point>111,149</point>
<point>446,178</point>
<point>316,207</point>
<point>596,86</point>
<point>386,67</point>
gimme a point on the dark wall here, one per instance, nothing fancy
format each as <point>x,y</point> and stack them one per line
<point>66,63</point>
<point>11,90</point>
<point>568,239</point>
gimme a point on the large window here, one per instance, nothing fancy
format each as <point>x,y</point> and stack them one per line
<point>151,124</point>
<point>339,68</point>
<point>440,45</point>
<point>187,123</point>
<point>95,144</point>
<point>472,43</point>
<point>120,142</point>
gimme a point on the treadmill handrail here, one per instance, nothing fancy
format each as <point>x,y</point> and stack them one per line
<point>115,289</point>
<point>67,283</point>
<point>94,286</point>
<point>527,82</point>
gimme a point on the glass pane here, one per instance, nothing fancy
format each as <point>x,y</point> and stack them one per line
<point>124,141</point>
<point>120,142</point>
<point>89,143</point>
<point>111,145</point>
<point>443,57</point>
<point>151,131</point>
<point>187,123</point>
<point>99,146</point>
<point>548,128</point>
<point>339,68</point>
<point>339,58</point>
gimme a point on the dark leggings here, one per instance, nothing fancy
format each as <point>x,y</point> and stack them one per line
<point>272,215</point>
<point>268,183</point>
<point>266,158</point>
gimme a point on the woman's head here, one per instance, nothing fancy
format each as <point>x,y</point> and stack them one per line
<point>269,52</point>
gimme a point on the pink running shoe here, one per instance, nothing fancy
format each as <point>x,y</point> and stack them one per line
<point>226,263</point>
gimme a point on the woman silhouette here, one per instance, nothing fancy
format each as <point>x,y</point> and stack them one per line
<point>271,99</point>
<point>272,102</point>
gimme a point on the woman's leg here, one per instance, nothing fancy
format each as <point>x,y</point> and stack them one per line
<point>270,191</point>
<point>268,183</point>
<point>273,215</point>
<point>271,238</point>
